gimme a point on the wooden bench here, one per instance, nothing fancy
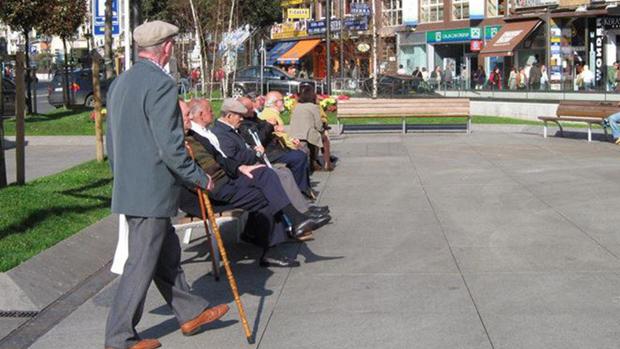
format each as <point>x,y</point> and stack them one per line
<point>581,111</point>
<point>360,108</point>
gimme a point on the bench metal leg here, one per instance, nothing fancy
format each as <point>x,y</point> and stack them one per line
<point>589,132</point>
<point>404,120</point>
<point>468,124</point>
<point>605,130</point>
<point>545,129</point>
<point>187,237</point>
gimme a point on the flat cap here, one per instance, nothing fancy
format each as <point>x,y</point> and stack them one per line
<point>232,105</point>
<point>153,33</point>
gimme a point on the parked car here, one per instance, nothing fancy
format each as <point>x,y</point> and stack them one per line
<point>397,85</point>
<point>274,79</point>
<point>8,95</point>
<point>80,88</point>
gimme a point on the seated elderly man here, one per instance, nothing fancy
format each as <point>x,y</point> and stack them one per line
<point>254,188</point>
<point>226,131</point>
<point>201,116</point>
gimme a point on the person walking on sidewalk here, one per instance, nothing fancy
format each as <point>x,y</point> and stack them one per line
<point>145,146</point>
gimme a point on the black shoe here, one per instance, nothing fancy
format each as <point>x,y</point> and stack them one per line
<point>305,226</point>
<point>322,221</point>
<point>320,209</point>
<point>279,262</point>
<point>315,214</point>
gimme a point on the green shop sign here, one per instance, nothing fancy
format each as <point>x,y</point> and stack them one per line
<point>454,35</point>
<point>490,31</point>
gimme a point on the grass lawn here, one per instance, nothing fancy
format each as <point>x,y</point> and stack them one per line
<point>64,122</point>
<point>46,211</point>
<point>60,122</point>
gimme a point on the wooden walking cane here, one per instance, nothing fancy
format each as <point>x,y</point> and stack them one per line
<point>205,202</point>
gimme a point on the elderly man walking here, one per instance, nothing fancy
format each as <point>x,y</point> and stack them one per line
<point>145,146</point>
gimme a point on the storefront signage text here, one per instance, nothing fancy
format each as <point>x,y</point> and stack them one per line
<point>318,27</point>
<point>288,30</point>
<point>534,3</point>
<point>598,50</point>
<point>358,9</point>
<point>609,22</point>
<point>298,13</point>
<point>454,35</point>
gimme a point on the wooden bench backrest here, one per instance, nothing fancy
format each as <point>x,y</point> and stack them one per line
<point>587,109</point>
<point>403,107</point>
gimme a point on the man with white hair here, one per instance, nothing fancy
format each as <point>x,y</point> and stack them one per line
<point>144,141</point>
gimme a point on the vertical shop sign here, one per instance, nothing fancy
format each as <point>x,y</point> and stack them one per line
<point>555,61</point>
<point>410,12</point>
<point>598,50</point>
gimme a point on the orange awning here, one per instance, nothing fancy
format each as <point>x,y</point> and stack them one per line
<point>511,35</point>
<point>300,49</point>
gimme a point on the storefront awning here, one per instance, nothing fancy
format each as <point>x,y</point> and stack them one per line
<point>300,49</point>
<point>509,36</point>
<point>279,49</point>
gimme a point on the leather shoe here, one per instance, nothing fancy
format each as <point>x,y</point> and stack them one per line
<point>305,226</point>
<point>279,262</point>
<point>321,209</point>
<point>322,221</point>
<point>192,327</point>
<point>315,214</point>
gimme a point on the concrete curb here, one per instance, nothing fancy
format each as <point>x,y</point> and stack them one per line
<point>36,283</point>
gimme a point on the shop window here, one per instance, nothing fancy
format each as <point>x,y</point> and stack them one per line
<point>392,12</point>
<point>323,9</point>
<point>460,9</point>
<point>432,11</point>
<point>496,8</point>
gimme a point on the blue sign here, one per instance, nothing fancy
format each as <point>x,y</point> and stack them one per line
<point>318,27</point>
<point>99,17</point>
<point>359,9</point>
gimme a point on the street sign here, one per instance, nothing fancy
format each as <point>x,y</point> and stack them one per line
<point>360,9</point>
<point>99,17</point>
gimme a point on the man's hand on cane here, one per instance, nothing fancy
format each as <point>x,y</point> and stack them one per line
<point>210,184</point>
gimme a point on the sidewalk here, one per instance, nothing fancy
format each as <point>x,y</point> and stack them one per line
<point>487,240</point>
<point>47,155</point>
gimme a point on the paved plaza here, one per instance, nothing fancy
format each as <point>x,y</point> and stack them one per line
<point>439,240</point>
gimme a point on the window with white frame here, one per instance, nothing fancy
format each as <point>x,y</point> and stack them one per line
<point>392,12</point>
<point>431,11</point>
<point>323,9</point>
<point>460,9</point>
<point>496,8</point>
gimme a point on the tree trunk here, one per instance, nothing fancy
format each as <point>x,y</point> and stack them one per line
<point>108,55</point>
<point>97,111</point>
<point>136,20</point>
<point>200,43</point>
<point>28,80</point>
<point>3,182</point>
<point>20,147</point>
<point>65,82</point>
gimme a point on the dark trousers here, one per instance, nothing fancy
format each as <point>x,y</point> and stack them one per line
<point>297,162</point>
<point>154,254</point>
<point>262,196</point>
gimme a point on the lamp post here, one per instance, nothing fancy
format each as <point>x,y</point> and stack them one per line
<point>341,42</point>
<point>328,42</point>
<point>374,50</point>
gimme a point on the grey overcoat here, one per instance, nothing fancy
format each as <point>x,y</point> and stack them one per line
<point>306,124</point>
<point>144,141</point>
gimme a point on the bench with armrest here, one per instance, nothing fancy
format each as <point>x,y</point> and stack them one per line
<point>360,108</point>
<point>588,112</point>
